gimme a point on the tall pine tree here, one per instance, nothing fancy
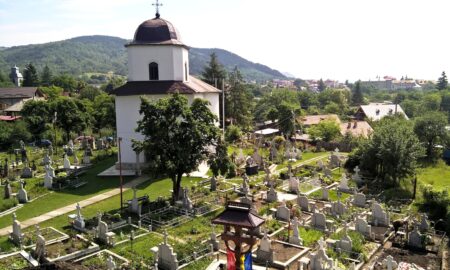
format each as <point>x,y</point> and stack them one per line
<point>442,81</point>
<point>30,76</point>
<point>239,101</point>
<point>214,71</point>
<point>46,76</point>
<point>321,86</point>
<point>357,96</point>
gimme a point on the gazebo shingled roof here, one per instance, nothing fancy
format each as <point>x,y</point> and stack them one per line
<point>238,214</point>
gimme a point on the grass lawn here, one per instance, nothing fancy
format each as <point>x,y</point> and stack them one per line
<point>196,229</point>
<point>57,199</point>
<point>332,195</point>
<point>305,157</point>
<point>152,188</point>
<point>141,247</point>
<point>438,176</point>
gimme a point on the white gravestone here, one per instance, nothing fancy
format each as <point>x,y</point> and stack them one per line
<point>16,235</point>
<point>338,208</point>
<point>245,185</point>
<point>343,184</point>
<point>363,227</point>
<point>303,202</point>
<point>78,223</point>
<point>167,259</point>
<point>110,264</point>
<point>48,181</point>
<point>325,194</point>
<point>47,159</point>
<point>295,237</point>
<point>318,220</point>
<point>272,195</point>
<point>345,243</point>
<point>424,225</point>
<point>356,177</point>
<point>283,212</point>
<point>359,199</point>
<point>293,184</point>
<point>187,203</point>
<point>135,202</point>
<point>213,240</point>
<point>103,233</point>
<point>40,251</point>
<point>22,195</point>
<point>389,263</point>
<point>265,251</point>
<point>320,260</point>
<point>66,162</point>
<point>50,171</point>
<point>379,216</point>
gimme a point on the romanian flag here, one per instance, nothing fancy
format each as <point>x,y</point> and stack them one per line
<point>231,260</point>
<point>246,261</point>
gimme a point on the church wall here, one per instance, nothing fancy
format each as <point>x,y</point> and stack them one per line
<point>170,60</point>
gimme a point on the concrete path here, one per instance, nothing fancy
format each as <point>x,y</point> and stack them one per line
<point>72,207</point>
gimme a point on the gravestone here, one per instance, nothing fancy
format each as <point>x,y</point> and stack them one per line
<point>16,235</point>
<point>213,240</point>
<point>379,216</point>
<point>50,171</point>
<point>246,200</point>
<point>66,163</point>
<point>187,202</point>
<point>22,194</point>
<point>325,194</point>
<point>245,185</point>
<point>251,167</point>
<point>110,264</point>
<point>78,223</point>
<point>345,243</point>
<point>338,208</point>
<point>328,173</point>
<point>135,202</point>
<point>213,184</point>
<point>8,191</point>
<point>335,160</point>
<point>240,159</point>
<point>424,225</point>
<point>303,202</point>
<point>40,251</point>
<point>47,159</point>
<point>167,259</point>
<point>295,237</point>
<point>50,150</point>
<point>273,152</point>
<point>359,199</point>
<point>27,172</point>
<point>103,233</point>
<point>272,195</point>
<point>415,238</point>
<point>70,144</point>
<point>265,251</point>
<point>283,212</point>
<point>48,181</point>
<point>389,263</point>
<point>356,177</point>
<point>293,185</point>
<point>257,158</point>
<point>320,259</point>
<point>318,220</point>
<point>320,164</point>
<point>343,184</point>
<point>363,227</point>
<point>86,158</point>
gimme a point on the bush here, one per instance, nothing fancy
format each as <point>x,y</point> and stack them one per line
<point>233,133</point>
<point>436,202</point>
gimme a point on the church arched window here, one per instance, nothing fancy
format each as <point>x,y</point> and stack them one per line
<point>153,70</point>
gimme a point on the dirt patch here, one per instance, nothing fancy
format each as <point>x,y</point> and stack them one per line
<point>423,259</point>
<point>283,252</point>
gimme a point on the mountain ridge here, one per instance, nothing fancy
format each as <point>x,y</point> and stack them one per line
<point>102,54</point>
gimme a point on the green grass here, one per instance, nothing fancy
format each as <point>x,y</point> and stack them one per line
<point>141,247</point>
<point>332,195</point>
<point>200,264</point>
<point>358,240</point>
<point>96,185</point>
<point>196,229</point>
<point>438,176</point>
<point>305,157</point>
<point>309,236</point>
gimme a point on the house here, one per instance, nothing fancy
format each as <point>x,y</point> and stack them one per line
<point>376,111</point>
<point>12,99</point>
<point>312,120</point>
<point>356,129</point>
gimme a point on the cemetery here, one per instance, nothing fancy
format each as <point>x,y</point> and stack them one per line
<point>311,210</point>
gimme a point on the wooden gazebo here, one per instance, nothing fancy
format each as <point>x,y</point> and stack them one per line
<point>235,218</point>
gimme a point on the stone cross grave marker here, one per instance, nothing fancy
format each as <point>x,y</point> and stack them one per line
<point>22,194</point>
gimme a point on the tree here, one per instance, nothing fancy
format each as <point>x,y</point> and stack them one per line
<point>321,87</point>
<point>357,96</point>
<point>72,115</point>
<point>5,81</point>
<point>238,105</point>
<point>104,115</point>
<point>430,128</point>
<point>66,82</point>
<point>233,133</point>
<point>52,92</point>
<point>392,152</point>
<point>326,131</point>
<point>299,83</point>
<point>46,76</point>
<point>220,162</point>
<point>37,114</point>
<point>214,71</point>
<point>30,76</point>
<point>442,81</point>
<point>90,92</point>
<point>176,136</point>
<point>286,120</point>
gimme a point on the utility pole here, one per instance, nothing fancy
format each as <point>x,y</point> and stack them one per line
<point>223,108</point>
<point>120,175</point>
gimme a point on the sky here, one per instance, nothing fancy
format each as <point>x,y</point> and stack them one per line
<point>345,39</point>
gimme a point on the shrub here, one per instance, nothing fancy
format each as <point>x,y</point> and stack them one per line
<point>233,133</point>
<point>435,202</point>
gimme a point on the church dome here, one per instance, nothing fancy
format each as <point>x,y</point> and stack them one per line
<point>157,31</point>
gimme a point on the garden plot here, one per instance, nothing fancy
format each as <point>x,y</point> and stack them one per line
<point>165,217</point>
<point>123,234</point>
<point>139,249</point>
<point>285,254</point>
<point>309,236</point>
<point>99,259</point>
<point>17,260</point>
<point>69,249</point>
<point>50,234</point>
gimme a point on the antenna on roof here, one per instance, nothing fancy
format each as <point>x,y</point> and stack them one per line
<point>157,5</point>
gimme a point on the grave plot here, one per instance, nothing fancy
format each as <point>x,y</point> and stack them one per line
<point>406,259</point>
<point>69,249</point>
<point>197,229</point>
<point>285,254</point>
<point>17,260</point>
<point>165,217</point>
<point>124,233</point>
<point>103,260</point>
<point>189,252</point>
<point>139,249</point>
<point>309,236</point>
<point>332,195</point>
<point>50,234</point>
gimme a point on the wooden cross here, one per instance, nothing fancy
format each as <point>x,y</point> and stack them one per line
<point>157,5</point>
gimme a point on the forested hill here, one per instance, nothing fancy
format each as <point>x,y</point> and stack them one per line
<point>103,54</point>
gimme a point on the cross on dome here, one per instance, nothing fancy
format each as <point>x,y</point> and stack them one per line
<point>157,5</point>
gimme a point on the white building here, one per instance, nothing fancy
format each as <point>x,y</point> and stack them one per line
<point>158,65</point>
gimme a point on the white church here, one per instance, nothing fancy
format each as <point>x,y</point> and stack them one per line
<point>158,65</point>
